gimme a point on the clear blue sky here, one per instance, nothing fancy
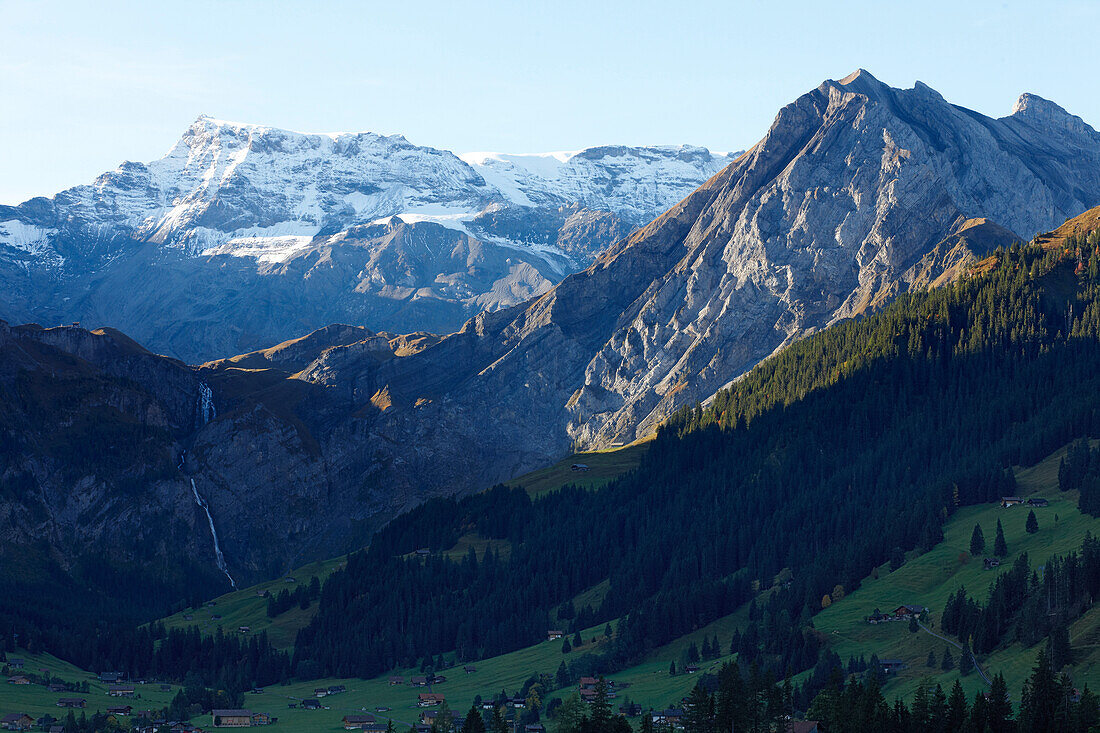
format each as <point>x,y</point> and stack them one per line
<point>86,85</point>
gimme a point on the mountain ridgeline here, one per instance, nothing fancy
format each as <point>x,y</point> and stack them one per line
<point>242,236</point>
<point>857,193</point>
<point>843,451</point>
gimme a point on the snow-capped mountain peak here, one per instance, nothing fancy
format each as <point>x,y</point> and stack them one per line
<point>396,223</point>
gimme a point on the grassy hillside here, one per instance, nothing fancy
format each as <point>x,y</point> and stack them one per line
<point>248,607</point>
<point>36,700</point>
<point>925,579</point>
<point>929,580</point>
<point>603,466</point>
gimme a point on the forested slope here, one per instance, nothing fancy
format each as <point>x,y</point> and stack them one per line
<point>829,459</point>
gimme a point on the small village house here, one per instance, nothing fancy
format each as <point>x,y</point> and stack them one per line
<point>429,699</point>
<point>469,669</point>
<point>311,703</point>
<point>119,710</point>
<point>231,718</point>
<point>909,611</point>
<point>120,690</point>
<point>579,467</point>
<point>1038,501</point>
<point>356,722</point>
<point>17,721</point>
<point>672,717</point>
<point>16,662</point>
<point>554,635</point>
<point>418,681</point>
<point>72,702</point>
<point>18,680</point>
<point>397,680</point>
<point>1007,501</point>
<point>262,719</point>
<point>802,726</point>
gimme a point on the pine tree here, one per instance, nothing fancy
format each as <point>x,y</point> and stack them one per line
<point>1000,548</point>
<point>948,661</point>
<point>474,722</point>
<point>966,661</point>
<point>956,708</point>
<point>562,675</point>
<point>600,709</point>
<point>999,713</point>
<point>1032,525</point>
<point>1061,653</point>
<point>672,669</point>
<point>977,541</point>
<point>565,647</point>
<point>499,724</point>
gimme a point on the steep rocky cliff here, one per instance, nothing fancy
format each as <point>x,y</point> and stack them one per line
<point>858,192</point>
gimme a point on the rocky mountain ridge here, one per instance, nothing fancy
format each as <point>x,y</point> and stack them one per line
<point>857,193</point>
<point>244,235</point>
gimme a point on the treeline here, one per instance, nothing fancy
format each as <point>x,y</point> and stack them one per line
<point>302,596</point>
<point>1027,606</point>
<point>839,454</point>
<point>1080,470</point>
<point>754,703</point>
<point>222,661</point>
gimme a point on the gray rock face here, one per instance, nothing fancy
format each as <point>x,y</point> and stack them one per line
<point>857,192</point>
<point>243,236</point>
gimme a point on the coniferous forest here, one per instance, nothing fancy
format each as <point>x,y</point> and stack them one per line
<point>837,455</point>
<point>842,453</point>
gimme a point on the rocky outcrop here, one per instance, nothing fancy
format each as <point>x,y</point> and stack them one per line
<point>243,236</point>
<point>858,192</point>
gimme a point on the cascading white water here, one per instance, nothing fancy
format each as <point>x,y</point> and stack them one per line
<point>206,408</point>
<point>206,403</point>
<point>213,533</point>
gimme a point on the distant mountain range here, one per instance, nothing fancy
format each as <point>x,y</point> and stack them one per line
<point>857,193</point>
<point>243,236</point>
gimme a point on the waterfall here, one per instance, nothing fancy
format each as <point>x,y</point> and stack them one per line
<point>207,408</point>
<point>213,533</point>
<point>206,403</point>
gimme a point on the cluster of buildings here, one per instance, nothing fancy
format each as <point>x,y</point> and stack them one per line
<point>239,719</point>
<point>901,613</point>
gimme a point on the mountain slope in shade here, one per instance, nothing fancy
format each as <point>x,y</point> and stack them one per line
<point>858,192</point>
<point>244,235</point>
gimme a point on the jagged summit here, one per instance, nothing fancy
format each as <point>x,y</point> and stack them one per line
<point>1036,109</point>
<point>293,230</point>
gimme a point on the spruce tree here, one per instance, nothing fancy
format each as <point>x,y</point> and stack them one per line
<point>966,661</point>
<point>956,708</point>
<point>931,662</point>
<point>473,723</point>
<point>1032,525</point>
<point>948,661</point>
<point>1000,548</point>
<point>977,541</point>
